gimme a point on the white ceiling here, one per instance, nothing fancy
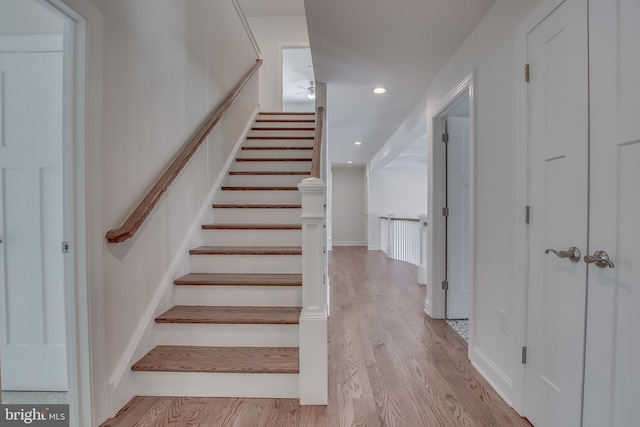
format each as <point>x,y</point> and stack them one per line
<point>359,44</point>
<point>272,8</point>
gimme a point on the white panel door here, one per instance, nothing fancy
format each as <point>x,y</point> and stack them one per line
<point>558,150</point>
<point>458,220</point>
<point>32,322</point>
<point>612,372</point>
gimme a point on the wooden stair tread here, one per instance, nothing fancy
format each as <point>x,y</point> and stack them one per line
<point>285,120</point>
<point>287,113</point>
<point>304,173</point>
<point>269,159</point>
<point>257,188</point>
<point>174,358</point>
<point>231,315</point>
<point>279,137</point>
<point>276,148</point>
<point>254,206</point>
<point>239,279</point>
<point>252,227</point>
<point>283,128</point>
<point>247,250</point>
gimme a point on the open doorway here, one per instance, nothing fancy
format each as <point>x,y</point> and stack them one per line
<point>451,192</point>
<point>33,344</point>
<point>298,81</point>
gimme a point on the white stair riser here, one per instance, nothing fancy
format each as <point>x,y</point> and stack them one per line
<point>285,133</point>
<point>268,180</point>
<point>274,166</point>
<point>268,264</point>
<point>261,296</point>
<point>257,216</point>
<point>274,154</point>
<point>281,386</point>
<point>253,237</point>
<point>285,116</point>
<point>259,196</point>
<point>222,335</point>
<point>285,124</point>
<point>278,143</point>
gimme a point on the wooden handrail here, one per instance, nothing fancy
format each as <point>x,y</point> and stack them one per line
<point>142,211</point>
<point>317,144</point>
<point>400,219</point>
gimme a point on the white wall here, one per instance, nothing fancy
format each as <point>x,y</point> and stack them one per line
<point>272,34</point>
<point>27,17</point>
<point>348,206</point>
<point>490,50</point>
<point>399,191</point>
<point>167,64</point>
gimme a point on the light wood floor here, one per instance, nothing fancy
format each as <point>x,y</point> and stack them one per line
<point>389,365</point>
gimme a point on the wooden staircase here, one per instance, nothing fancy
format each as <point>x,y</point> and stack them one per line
<point>233,331</point>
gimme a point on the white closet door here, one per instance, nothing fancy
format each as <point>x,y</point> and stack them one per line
<point>558,147</point>
<point>612,372</point>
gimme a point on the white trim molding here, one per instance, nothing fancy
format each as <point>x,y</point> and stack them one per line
<point>247,27</point>
<point>82,62</point>
<point>435,301</point>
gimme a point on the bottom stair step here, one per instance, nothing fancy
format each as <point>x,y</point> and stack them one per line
<point>253,360</point>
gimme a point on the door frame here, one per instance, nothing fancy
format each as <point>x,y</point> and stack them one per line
<point>435,302</point>
<point>82,172</point>
<point>522,197</point>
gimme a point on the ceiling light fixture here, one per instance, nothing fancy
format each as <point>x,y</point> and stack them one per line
<point>349,162</point>
<point>379,90</point>
<point>358,143</point>
<point>312,91</point>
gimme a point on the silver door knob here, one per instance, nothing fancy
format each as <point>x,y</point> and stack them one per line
<point>599,258</point>
<point>573,253</point>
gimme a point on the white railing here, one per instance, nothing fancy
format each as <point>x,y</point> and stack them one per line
<point>400,238</point>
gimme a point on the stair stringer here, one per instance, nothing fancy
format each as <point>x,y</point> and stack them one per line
<point>121,384</point>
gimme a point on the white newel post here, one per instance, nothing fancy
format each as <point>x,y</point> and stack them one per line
<point>390,237</point>
<point>422,268</point>
<point>314,375</point>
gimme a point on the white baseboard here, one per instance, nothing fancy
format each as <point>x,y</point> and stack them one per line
<point>120,384</point>
<point>349,243</point>
<point>374,248</point>
<point>501,383</point>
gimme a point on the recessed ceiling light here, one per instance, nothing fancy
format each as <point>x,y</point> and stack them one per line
<point>358,143</point>
<point>349,162</point>
<point>379,90</point>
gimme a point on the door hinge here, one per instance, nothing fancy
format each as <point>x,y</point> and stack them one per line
<point>524,354</point>
<point>445,211</point>
<point>65,247</point>
<point>527,214</point>
<point>445,137</point>
<point>527,75</point>
<point>445,285</point>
